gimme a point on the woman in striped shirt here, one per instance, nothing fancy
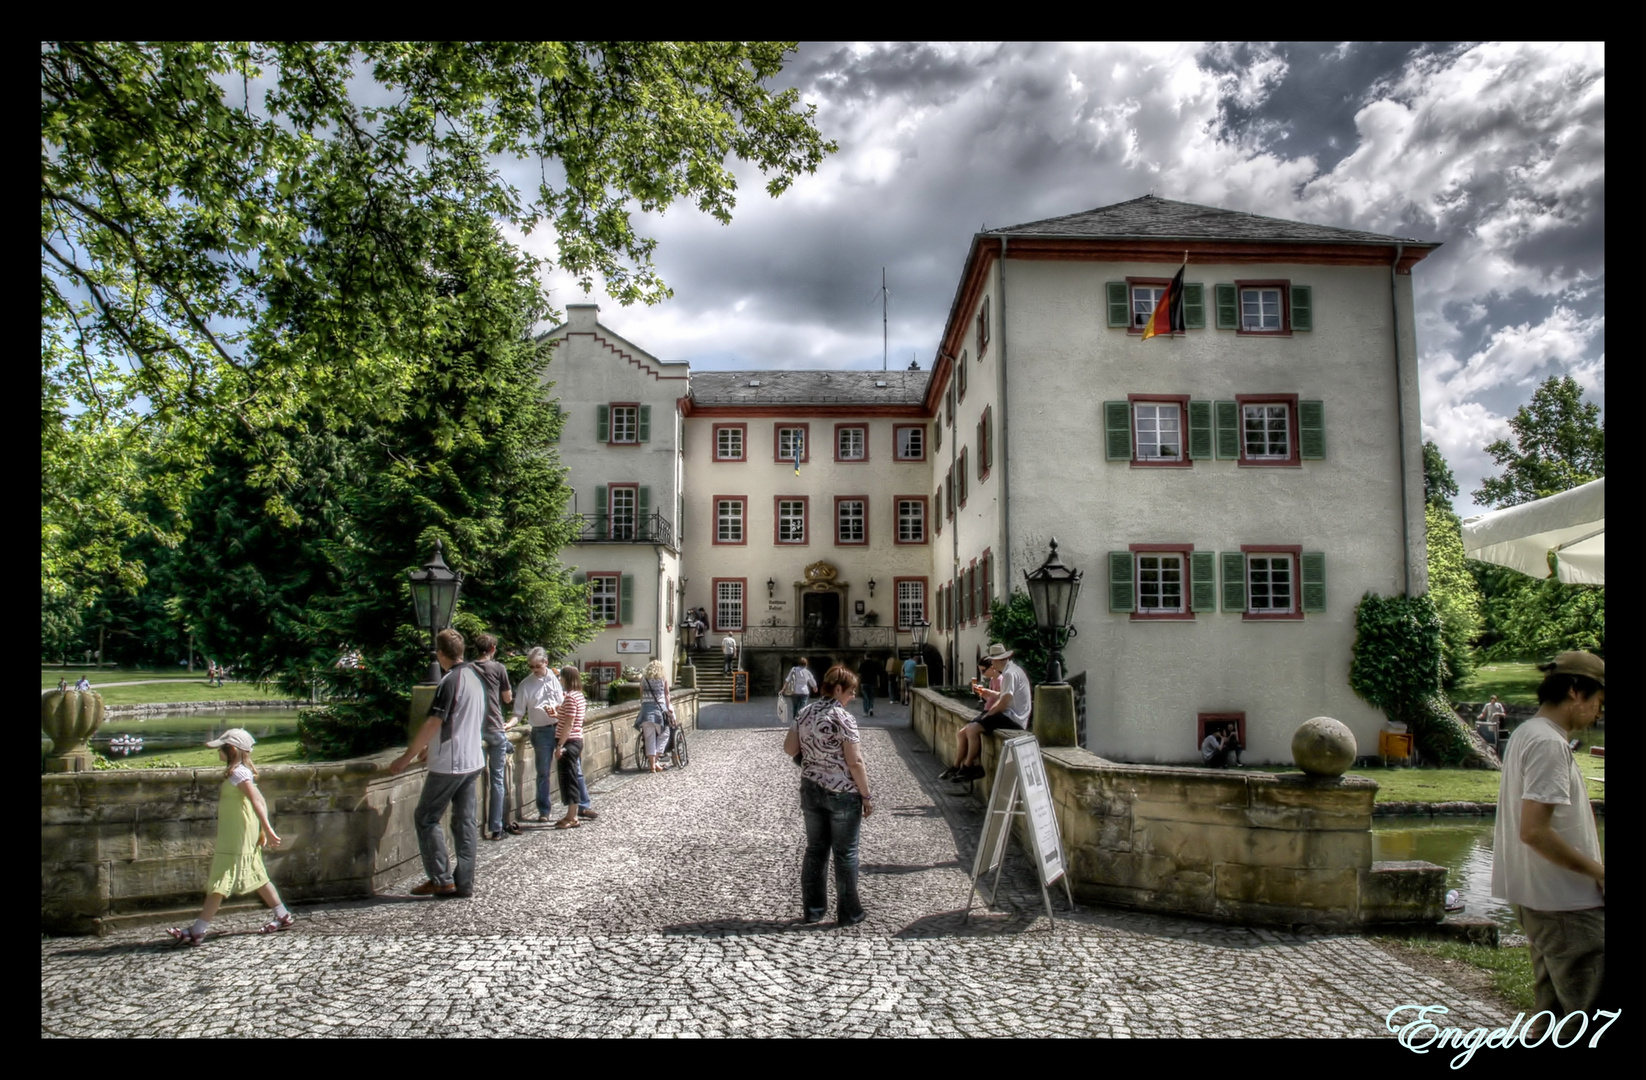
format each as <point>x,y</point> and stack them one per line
<point>568,751</point>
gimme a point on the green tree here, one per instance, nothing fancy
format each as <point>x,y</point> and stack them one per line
<point>232,235</point>
<point>1439,485</point>
<point>1455,594</point>
<point>1559,443</point>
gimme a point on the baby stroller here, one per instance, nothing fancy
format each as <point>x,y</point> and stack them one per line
<point>673,752</point>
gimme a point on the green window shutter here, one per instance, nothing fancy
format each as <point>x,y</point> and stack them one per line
<point>1120,304</point>
<point>643,511</point>
<point>601,512</point>
<point>602,423</point>
<point>1117,423</point>
<point>1122,595</point>
<point>1314,581</point>
<point>1303,307</point>
<point>1311,429</point>
<point>1203,578</point>
<point>625,600</point>
<point>645,423</point>
<point>1227,414</point>
<point>1194,306</point>
<point>988,582</point>
<point>1234,580</point>
<point>1228,307</point>
<point>1201,438</point>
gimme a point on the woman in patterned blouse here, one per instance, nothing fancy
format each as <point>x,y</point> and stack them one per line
<point>834,797</point>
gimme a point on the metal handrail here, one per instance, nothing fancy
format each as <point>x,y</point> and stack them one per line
<point>789,636</point>
<point>598,528</point>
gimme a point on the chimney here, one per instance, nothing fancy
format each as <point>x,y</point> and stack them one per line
<point>580,318</point>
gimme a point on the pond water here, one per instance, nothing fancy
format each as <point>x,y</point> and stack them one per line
<point>163,734</point>
<point>1463,845</point>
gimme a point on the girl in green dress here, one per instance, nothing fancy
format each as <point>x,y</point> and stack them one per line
<point>243,830</point>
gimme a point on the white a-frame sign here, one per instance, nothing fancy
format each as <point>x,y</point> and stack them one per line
<point>1021,790</point>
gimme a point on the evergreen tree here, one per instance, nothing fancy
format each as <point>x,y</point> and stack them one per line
<point>1560,442</point>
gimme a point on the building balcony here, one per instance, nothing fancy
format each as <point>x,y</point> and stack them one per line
<point>778,636</point>
<point>625,529</point>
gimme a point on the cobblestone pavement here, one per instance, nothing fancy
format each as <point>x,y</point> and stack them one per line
<point>676,914</point>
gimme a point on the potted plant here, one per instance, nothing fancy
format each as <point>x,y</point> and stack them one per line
<point>626,687</point>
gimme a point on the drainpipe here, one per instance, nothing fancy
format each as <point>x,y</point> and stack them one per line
<point>1004,579</point>
<point>1400,422</point>
<point>954,539</point>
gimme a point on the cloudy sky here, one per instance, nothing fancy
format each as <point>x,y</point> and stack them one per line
<point>1496,150</point>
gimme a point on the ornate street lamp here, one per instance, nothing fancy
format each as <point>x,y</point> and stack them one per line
<point>434,591</point>
<point>871,588</point>
<point>1054,588</point>
<point>771,589</point>
<point>917,630</point>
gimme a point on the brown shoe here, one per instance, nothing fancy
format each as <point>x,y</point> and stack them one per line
<point>433,888</point>
<point>586,814</point>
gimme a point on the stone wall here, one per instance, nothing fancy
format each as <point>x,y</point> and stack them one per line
<point>118,843</point>
<point>1251,847</point>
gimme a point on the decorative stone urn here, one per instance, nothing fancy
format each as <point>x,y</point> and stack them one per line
<point>69,718</point>
<point>1323,747</point>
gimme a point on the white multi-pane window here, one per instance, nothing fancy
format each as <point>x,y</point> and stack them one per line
<point>911,521</point>
<point>728,444</point>
<point>728,521</point>
<point>851,444</point>
<point>850,527</point>
<point>911,443</point>
<point>603,599</point>
<point>1269,584</point>
<point>1159,431</point>
<point>624,512</point>
<point>728,605</point>
<point>911,603</point>
<point>1265,431</point>
<point>1159,583</point>
<point>1145,298</point>
<point>1260,310</point>
<point>791,441</point>
<point>625,423</point>
<point>791,521</point>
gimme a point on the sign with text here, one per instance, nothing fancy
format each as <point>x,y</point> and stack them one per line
<point>1021,790</point>
<point>634,645</point>
<point>740,686</point>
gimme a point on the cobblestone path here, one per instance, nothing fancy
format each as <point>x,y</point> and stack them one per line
<point>675,914</point>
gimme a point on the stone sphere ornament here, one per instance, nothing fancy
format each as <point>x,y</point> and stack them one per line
<point>1323,747</point>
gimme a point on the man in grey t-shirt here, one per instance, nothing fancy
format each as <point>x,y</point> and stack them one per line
<point>451,738</point>
<point>1006,708</point>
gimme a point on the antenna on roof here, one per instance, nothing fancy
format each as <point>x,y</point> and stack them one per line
<point>885,357</point>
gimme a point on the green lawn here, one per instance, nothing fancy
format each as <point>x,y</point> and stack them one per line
<point>182,690</point>
<point>49,674</point>
<point>1515,682</point>
<point>1510,969</point>
<point>273,750</point>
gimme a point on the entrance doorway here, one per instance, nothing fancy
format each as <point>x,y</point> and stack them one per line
<point>821,618</point>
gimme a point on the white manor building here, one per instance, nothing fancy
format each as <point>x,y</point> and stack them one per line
<point>1230,491</point>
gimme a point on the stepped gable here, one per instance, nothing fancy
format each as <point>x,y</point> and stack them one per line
<point>1154,218</point>
<point>788,387</point>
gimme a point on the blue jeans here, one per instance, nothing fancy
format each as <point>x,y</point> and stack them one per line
<point>441,790</point>
<point>497,768</point>
<point>833,821</point>
<point>571,775</point>
<point>543,751</point>
<point>866,692</point>
<point>796,703</point>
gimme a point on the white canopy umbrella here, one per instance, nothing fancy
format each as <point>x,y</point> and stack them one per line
<point>1571,524</point>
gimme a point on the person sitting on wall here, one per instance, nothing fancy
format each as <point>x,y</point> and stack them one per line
<point>1219,745</point>
<point>1006,708</point>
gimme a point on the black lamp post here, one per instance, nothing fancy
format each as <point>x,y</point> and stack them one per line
<point>771,589</point>
<point>871,588</point>
<point>1054,588</point>
<point>917,630</point>
<point>434,591</point>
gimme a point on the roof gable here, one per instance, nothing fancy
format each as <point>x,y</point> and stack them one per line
<point>1154,218</point>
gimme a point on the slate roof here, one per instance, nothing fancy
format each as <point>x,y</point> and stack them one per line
<point>1153,218</point>
<point>809,387</point>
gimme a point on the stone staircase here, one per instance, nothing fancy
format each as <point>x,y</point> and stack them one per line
<point>711,684</point>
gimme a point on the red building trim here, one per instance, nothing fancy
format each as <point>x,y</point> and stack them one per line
<point>925,599</point>
<point>806,442</point>
<point>1294,444</point>
<point>1285,287</point>
<point>1182,403</point>
<point>1296,552</point>
<point>925,520</point>
<point>838,499</point>
<point>1188,583</point>
<point>714,443</point>
<point>838,428</point>
<point>925,436</point>
<point>714,605</point>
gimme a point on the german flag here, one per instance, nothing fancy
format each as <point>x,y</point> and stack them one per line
<point>1168,314</point>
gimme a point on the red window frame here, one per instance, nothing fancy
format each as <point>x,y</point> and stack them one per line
<point>616,575</point>
<point>1285,287</point>
<point>984,331</point>
<point>925,599</point>
<point>838,428</point>
<point>714,520</point>
<point>1296,552</point>
<point>897,520</point>
<point>1205,720</point>
<point>897,442</point>
<point>714,446</point>
<point>1293,441</point>
<point>1134,327</point>
<point>611,422</point>
<point>714,605</point>
<point>1188,612</point>
<point>1182,402</point>
<point>603,665</point>
<point>806,439</point>
<point>805,516</point>
<point>961,479</point>
<point>838,499</point>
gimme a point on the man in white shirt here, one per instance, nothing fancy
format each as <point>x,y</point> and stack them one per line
<point>1489,722</point>
<point>1545,849</point>
<point>1007,707</point>
<point>451,736</point>
<point>799,686</point>
<point>728,648</point>
<point>537,699</point>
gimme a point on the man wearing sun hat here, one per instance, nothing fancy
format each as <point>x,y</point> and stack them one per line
<point>1007,707</point>
<point>1546,852</point>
